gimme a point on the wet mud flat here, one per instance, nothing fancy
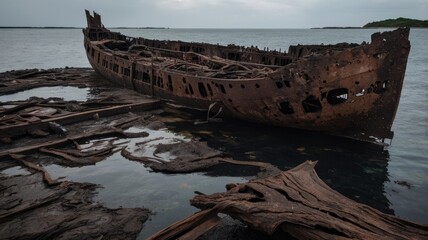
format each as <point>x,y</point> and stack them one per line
<point>77,119</point>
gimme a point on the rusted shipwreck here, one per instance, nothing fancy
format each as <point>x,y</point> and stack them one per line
<point>344,89</point>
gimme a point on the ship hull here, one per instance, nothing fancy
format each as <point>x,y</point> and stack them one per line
<point>350,91</point>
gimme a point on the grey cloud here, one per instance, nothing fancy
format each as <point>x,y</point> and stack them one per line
<point>209,13</point>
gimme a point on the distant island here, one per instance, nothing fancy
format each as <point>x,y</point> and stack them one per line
<point>389,23</point>
<point>399,22</point>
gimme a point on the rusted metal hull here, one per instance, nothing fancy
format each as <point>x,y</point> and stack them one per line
<point>344,89</point>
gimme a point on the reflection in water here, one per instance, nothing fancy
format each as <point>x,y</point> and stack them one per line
<point>356,170</point>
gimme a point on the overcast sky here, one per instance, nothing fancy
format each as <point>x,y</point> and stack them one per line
<point>209,13</point>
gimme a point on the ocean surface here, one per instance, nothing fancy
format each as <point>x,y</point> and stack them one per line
<point>358,171</point>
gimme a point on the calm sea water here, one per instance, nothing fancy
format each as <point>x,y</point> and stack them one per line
<point>356,170</point>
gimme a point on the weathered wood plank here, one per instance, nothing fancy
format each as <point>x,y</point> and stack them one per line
<point>189,228</point>
<point>199,230</point>
<point>20,129</point>
<point>97,133</point>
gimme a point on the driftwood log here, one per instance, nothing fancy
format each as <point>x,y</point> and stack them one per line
<point>299,203</point>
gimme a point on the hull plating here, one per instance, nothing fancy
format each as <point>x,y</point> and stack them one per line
<point>345,89</point>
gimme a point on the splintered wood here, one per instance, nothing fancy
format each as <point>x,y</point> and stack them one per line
<point>299,203</point>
